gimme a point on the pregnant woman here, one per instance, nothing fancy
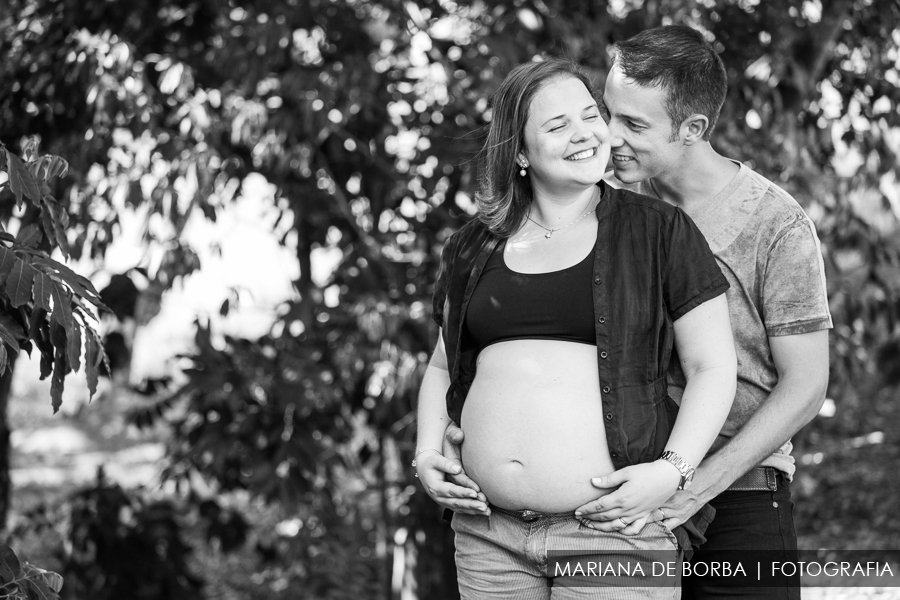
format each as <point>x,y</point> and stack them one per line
<point>559,307</point>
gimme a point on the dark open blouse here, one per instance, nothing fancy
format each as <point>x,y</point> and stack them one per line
<point>651,266</point>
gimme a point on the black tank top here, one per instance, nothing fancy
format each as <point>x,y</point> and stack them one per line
<point>507,305</point>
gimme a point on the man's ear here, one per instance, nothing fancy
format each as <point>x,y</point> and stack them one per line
<point>694,128</point>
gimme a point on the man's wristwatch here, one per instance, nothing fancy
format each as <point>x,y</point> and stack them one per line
<point>686,470</point>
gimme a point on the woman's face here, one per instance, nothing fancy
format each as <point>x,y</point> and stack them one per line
<point>566,139</point>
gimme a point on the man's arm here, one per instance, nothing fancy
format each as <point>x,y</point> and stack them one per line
<point>802,364</point>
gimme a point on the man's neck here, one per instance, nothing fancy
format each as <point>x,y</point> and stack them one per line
<point>696,180</point>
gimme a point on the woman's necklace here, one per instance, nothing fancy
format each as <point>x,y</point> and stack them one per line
<point>550,231</point>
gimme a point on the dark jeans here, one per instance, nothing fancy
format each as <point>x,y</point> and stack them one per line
<point>747,521</point>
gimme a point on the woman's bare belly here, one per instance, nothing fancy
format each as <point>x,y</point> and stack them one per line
<point>533,424</point>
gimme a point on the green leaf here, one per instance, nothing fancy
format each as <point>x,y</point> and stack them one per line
<point>47,583</point>
<point>10,567</point>
<point>53,580</point>
<point>91,360</point>
<point>48,167</point>
<point>10,332</point>
<point>79,284</point>
<point>73,349</point>
<point>30,236</point>
<point>31,147</point>
<point>59,221</point>
<point>58,380</point>
<point>19,283</point>
<point>58,167</point>
<point>59,337</point>
<point>39,331</point>
<point>62,306</point>
<point>42,290</point>
<point>21,181</point>
<point>47,222</point>
<point>7,260</point>
<point>36,589</point>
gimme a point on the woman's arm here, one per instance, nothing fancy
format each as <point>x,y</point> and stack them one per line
<point>706,350</point>
<point>431,465</point>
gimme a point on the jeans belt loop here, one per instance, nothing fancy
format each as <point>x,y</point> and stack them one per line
<point>770,479</point>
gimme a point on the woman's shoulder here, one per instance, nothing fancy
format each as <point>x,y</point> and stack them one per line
<point>472,234</point>
<point>636,203</point>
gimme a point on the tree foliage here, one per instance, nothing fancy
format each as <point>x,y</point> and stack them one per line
<point>44,303</point>
<point>23,581</point>
<point>366,117</point>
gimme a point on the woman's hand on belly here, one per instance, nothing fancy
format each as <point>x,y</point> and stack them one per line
<point>641,490</point>
<point>433,469</point>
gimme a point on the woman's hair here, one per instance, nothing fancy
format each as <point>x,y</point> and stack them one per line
<point>504,196</point>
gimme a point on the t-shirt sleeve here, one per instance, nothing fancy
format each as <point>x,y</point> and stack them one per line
<point>692,274</point>
<point>795,299</point>
<point>443,282</point>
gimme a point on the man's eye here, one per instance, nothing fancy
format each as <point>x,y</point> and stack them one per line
<point>634,126</point>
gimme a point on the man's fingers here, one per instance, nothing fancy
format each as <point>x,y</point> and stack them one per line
<point>464,480</point>
<point>671,523</point>
<point>450,490</point>
<point>635,526</point>
<point>469,507</point>
<point>455,435</point>
<point>448,466</point>
<point>606,526</point>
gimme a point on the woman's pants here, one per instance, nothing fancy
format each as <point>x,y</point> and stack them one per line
<point>533,556</point>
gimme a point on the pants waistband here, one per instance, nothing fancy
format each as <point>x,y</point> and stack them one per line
<point>759,479</point>
<point>529,516</point>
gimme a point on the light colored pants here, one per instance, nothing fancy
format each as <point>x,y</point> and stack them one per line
<point>505,557</point>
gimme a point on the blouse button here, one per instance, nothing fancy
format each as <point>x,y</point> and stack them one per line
<point>597,280</point>
<point>614,454</point>
<point>606,389</point>
<point>601,320</point>
<point>609,416</point>
<point>603,354</point>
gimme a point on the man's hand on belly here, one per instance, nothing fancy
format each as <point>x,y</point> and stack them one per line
<point>453,439</point>
<point>433,470</point>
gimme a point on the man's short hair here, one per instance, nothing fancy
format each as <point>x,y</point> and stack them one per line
<point>678,59</point>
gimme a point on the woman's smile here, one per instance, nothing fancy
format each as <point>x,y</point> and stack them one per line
<point>584,154</point>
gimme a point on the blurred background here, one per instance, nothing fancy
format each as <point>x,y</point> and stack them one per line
<point>259,191</point>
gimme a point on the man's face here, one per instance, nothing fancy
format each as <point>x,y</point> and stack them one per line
<point>640,129</point>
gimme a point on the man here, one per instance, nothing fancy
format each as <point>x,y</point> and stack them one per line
<point>664,94</point>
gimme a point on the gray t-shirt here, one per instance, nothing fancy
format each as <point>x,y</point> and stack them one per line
<point>769,251</point>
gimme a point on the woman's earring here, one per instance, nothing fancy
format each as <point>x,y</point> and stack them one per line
<point>522,166</point>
